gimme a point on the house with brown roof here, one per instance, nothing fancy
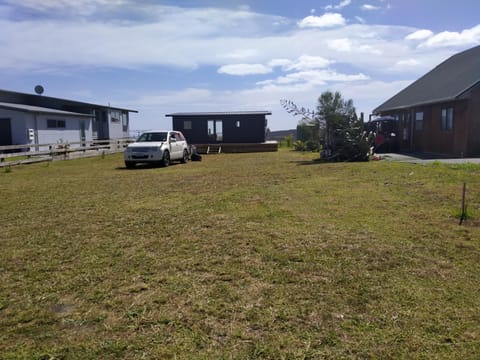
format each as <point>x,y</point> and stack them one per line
<point>440,112</point>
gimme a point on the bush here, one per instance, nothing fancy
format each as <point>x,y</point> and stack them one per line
<point>299,145</point>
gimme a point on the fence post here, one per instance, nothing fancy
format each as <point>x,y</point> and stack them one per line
<point>464,206</point>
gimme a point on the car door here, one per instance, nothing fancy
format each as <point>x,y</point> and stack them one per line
<point>175,146</point>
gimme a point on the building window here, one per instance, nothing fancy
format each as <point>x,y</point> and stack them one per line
<point>447,119</point>
<point>419,121</point>
<point>187,125</point>
<point>237,123</point>
<point>115,116</point>
<point>55,124</point>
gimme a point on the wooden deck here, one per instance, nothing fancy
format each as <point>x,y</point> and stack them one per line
<point>270,146</point>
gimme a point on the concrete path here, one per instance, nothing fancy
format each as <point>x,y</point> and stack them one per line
<point>412,158</point>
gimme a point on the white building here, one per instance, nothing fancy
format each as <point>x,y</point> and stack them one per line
<point>36,119</point>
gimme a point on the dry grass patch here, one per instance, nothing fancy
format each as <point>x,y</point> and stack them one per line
<point>239,256</point>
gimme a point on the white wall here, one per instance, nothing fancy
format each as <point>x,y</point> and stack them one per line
<point>69,134</point>
<point>115,122</point>
<point>20,122</point>
<point>18,125</point>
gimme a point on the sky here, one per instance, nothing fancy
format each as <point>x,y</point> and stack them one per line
<point>160,57</point>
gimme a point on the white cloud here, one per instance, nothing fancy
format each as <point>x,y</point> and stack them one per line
<point>340,44</point>
<point>369,7</point>
<point>279,62</point>
<point>244,69</point>
<point>307,62</point>
<point>346,45</point>
<point>342,4</point>
<point>419,35</point>
<point>241,54</point>
<point>448,38</point>
<point>406,63</point>
<point>319,77</point>
<point>324,21</point>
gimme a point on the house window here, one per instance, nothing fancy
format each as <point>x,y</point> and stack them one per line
<point>237,123</point>
<point>187,125</point>
<point>447,119</point>
<point>55,124</point>
<point>115,116</point>
<point>419,121</point>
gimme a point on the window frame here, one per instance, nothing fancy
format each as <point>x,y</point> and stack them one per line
<point>115,116</point>
<point>187,124</point>
<point>419,122</point>
<point>447,118</point>
<point>56,124</point>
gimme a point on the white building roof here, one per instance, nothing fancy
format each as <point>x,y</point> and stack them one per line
<point>39,109</point>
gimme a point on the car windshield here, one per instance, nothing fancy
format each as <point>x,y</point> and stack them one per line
<point>153,136</point>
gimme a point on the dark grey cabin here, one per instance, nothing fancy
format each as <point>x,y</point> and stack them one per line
<point>241,127</point>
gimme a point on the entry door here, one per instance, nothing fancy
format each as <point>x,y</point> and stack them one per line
<point>5,132</point>
<point>215,130</point>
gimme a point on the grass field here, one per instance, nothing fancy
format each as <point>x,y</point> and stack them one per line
<point>242,256</point>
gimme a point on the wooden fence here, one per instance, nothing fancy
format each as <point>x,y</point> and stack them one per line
<point>29,153</point>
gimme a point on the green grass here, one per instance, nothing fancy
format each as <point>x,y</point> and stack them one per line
<point>240,256</point>
<point>15,158</point>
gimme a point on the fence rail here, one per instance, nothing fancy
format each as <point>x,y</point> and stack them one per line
<point>29,153</point>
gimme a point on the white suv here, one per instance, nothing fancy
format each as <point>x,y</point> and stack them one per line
<point>157,147</point>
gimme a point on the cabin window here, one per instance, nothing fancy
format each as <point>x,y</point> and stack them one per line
<point>237,123</point>
<point>419,121</point>
<point>187,125</point>
<point>55,124</point>
<point>447,119</point>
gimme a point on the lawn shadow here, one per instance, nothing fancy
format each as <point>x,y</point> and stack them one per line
<point>310,162</point>
<point>142,167</point>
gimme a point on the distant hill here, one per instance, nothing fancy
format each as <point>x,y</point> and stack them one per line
<point>280,134</point>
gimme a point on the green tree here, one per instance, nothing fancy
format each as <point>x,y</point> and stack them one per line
<point>340,132</point>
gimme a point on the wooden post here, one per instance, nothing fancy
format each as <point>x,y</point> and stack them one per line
<point>464,206</point>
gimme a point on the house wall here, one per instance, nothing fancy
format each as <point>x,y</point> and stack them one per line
<point>118,124</point>
<point>432,139</point>
<point>18,124</point>
<point>69,134</point>
<point>21,122</point>
<point>435,140</point>
<point>251,130</point>
<point>473,115</point>
<point>420,138</point>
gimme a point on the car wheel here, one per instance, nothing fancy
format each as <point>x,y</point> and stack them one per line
<point>129,164</point>
<point>185,156</point>
<point>166,159</point>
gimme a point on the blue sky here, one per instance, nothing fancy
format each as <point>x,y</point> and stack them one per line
<point>159,57</point>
